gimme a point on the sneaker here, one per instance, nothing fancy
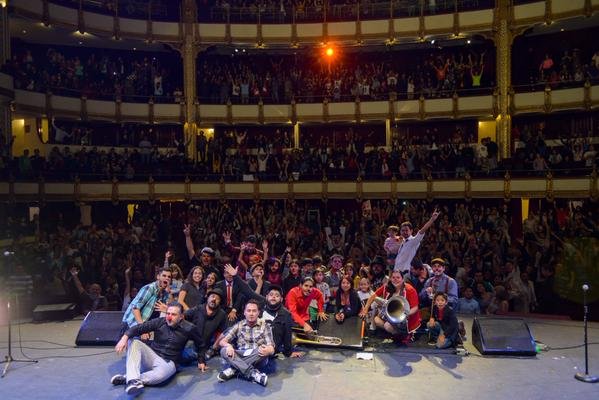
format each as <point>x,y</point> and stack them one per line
<point>259,377</point>
<point>432,342</point>
<point>118,379</point>
<point>134,387</point>
<point>210,353</point>
<point>462,329</point>
<point>226,374</point>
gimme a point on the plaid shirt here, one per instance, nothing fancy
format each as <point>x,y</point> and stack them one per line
<point>144,301</point>
<point>250,337</point>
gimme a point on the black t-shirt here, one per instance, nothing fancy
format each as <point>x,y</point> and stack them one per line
<point>194,296</point>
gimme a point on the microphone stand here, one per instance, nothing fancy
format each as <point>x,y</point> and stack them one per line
<point>579,375</point>
<point>8,359</point>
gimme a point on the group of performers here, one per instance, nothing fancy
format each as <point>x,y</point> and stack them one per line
<point>271,314</point>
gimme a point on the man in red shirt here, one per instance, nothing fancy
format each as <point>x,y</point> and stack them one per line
<point>298,303</point>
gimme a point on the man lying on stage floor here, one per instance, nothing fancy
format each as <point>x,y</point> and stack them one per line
<point>153,364</point>
<point>254,344</point>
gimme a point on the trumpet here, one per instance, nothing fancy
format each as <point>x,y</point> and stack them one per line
<point>313,338</point>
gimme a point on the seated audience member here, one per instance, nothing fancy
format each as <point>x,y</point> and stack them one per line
<point>377,271</point>
<point>483,297</point>
<point>392,242</point>
<point>307,267</point>
<point>254,344</point>
<point>192,291</point>
<point>176,280</point>
<point>320,284</point>
<point>439,282</point>
<point>443,323</point>
<point>467,304</point>
<point>152,297</point>
<point>210,321</point>
<point>294,279</point>
<point>153,364</point>
<point>417,276</point>
<point>205,258</point>
<point>396,287</point>
<point>91,299</point>
<point>257,283</point>
<point>347,301</point>
<point>273,272</point>
<point>500,303</point>
<point>298,303</point>
<point>233,300</point>
<point>364,293</point>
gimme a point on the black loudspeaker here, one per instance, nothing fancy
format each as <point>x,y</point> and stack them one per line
<point>100,328</point>
<point>54,312</point>
<point>503,336</point>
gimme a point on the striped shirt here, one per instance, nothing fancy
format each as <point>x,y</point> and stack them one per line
<point>144,302</point>
<point>250,337</point>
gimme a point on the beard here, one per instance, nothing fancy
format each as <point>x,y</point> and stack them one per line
<point>273,307</point>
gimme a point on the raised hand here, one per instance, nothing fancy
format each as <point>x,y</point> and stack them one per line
<point>230,270</point>
<point>265,245</point>
<point>227,236</point>
<point>187,230</point>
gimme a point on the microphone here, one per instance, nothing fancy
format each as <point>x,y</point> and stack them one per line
<point>585,287</point>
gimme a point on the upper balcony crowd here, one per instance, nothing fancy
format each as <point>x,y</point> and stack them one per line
<point>277,11</point>
<point>306,75</point>
<point>309,76</point>
<point>104,74</point>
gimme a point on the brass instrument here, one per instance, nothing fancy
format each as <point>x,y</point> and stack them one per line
<point>395,310</point>
<point>313,338</point>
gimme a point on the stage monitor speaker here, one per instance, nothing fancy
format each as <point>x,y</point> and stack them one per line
<point>54,312</point>
<point>100,328</point>
<point>503,336</point>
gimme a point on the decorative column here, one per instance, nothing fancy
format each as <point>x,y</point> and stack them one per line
<point>189,52</point>
<point>5,102</point>
<point>503,43</point>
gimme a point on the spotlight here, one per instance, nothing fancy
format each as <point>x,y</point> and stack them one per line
<point>330,52</point>
<point>468,41</point>
<point>433,41</point>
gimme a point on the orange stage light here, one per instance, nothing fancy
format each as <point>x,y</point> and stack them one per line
<point>330,52</point>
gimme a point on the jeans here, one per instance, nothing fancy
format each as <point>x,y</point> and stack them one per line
<point>145,365</point>
<point>434,333</point>
<point>244,364</point>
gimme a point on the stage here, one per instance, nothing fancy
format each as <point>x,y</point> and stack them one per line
<point>414,373</point>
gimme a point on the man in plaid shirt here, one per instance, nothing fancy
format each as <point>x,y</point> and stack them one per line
<point>254,344</point>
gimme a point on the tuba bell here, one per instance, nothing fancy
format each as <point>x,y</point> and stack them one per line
<point>395,310</point>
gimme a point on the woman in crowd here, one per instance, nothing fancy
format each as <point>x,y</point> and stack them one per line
<point>347,301</point>
<point>192,292</point>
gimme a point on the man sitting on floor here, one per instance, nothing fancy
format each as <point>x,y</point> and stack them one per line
<point>254,344</point>
<point>154,364</point>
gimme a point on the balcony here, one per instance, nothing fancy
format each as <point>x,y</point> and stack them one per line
<point>389,29</point>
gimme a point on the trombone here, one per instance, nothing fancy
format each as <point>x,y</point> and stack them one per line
<point>313,338</point>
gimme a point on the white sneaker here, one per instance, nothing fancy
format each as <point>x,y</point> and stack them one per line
<point>259,377</point>
<point>226,374</point>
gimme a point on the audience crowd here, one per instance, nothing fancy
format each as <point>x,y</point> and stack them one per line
<point>503,264</point>
<point>286,11</point>
<point>432,71</point>
<point>443,150</point>
<point>157,10</point>
<point>559,60</point>
<point>104,74</point>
